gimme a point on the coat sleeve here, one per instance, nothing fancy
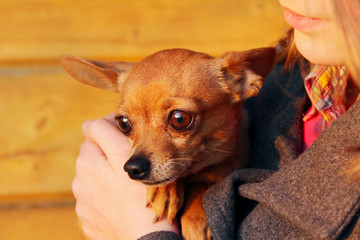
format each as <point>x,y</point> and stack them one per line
<point>161,235</point>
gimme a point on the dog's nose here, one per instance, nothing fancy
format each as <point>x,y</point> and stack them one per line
<point>137,167</point>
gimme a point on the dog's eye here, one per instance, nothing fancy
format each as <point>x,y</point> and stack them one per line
<point>124,124</point>
<point>180,120</point>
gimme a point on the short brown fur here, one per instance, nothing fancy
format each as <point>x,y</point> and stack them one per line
<point>178,164</point>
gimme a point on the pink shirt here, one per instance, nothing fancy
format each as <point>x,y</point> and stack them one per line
<point>314,124</point>
<point>325,87</point>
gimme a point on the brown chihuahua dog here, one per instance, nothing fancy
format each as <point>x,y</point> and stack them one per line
<point>182,112</point>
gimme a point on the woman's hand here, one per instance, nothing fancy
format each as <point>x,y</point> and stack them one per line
<point>109,204</point>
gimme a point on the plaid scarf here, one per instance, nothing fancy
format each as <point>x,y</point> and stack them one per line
<point>325,87</point>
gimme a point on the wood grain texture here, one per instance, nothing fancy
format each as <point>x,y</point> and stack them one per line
<point>42,108</point>
<point>55,223</point>
<point>45,29</point>
<point>41,112</point>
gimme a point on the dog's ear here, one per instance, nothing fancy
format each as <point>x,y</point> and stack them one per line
<point>100,74</point>
<point>244,72</point>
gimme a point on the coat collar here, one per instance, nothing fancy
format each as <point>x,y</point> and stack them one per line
<point>314,191</point>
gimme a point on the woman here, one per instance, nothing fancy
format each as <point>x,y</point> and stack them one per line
<point>284,193</point>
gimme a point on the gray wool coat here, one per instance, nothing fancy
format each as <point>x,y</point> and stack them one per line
<point>287,194</point>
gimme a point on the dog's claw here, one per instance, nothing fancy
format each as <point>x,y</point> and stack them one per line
<point>170,220</point>
<point>156,219</point>
<point>165,200</point>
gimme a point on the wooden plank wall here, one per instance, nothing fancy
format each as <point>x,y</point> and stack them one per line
<point>42,109</point>
<point>44,29</point>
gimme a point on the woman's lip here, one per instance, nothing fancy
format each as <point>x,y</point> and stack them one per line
<point>300,22</point>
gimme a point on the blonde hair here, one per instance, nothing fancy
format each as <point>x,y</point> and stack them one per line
<point>288,53</point>
<point>348,14</point>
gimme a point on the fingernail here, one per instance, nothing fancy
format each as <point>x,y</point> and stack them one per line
<point>85,126</point>
<point>156,219</point>
<point>170,220</point>
<point>110,117</point>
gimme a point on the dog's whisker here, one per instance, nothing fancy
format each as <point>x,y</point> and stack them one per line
<point>219,150</point>
<point>180,159</point>
<point>185,159</point>
<point>180,164</point>
<point>166,178</point>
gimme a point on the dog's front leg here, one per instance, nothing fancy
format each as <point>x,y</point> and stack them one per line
<point>166,199</point>
<point>193,220</point>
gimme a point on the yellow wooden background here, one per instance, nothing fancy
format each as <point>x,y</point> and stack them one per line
<point>42,109</point>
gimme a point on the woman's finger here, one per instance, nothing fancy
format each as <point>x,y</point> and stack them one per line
<point>113,143</point>
<point>90,154</point>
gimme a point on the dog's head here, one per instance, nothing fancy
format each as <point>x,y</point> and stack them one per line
<point>180,109</point>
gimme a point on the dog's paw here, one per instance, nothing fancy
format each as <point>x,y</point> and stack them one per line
<point>166,199</point>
